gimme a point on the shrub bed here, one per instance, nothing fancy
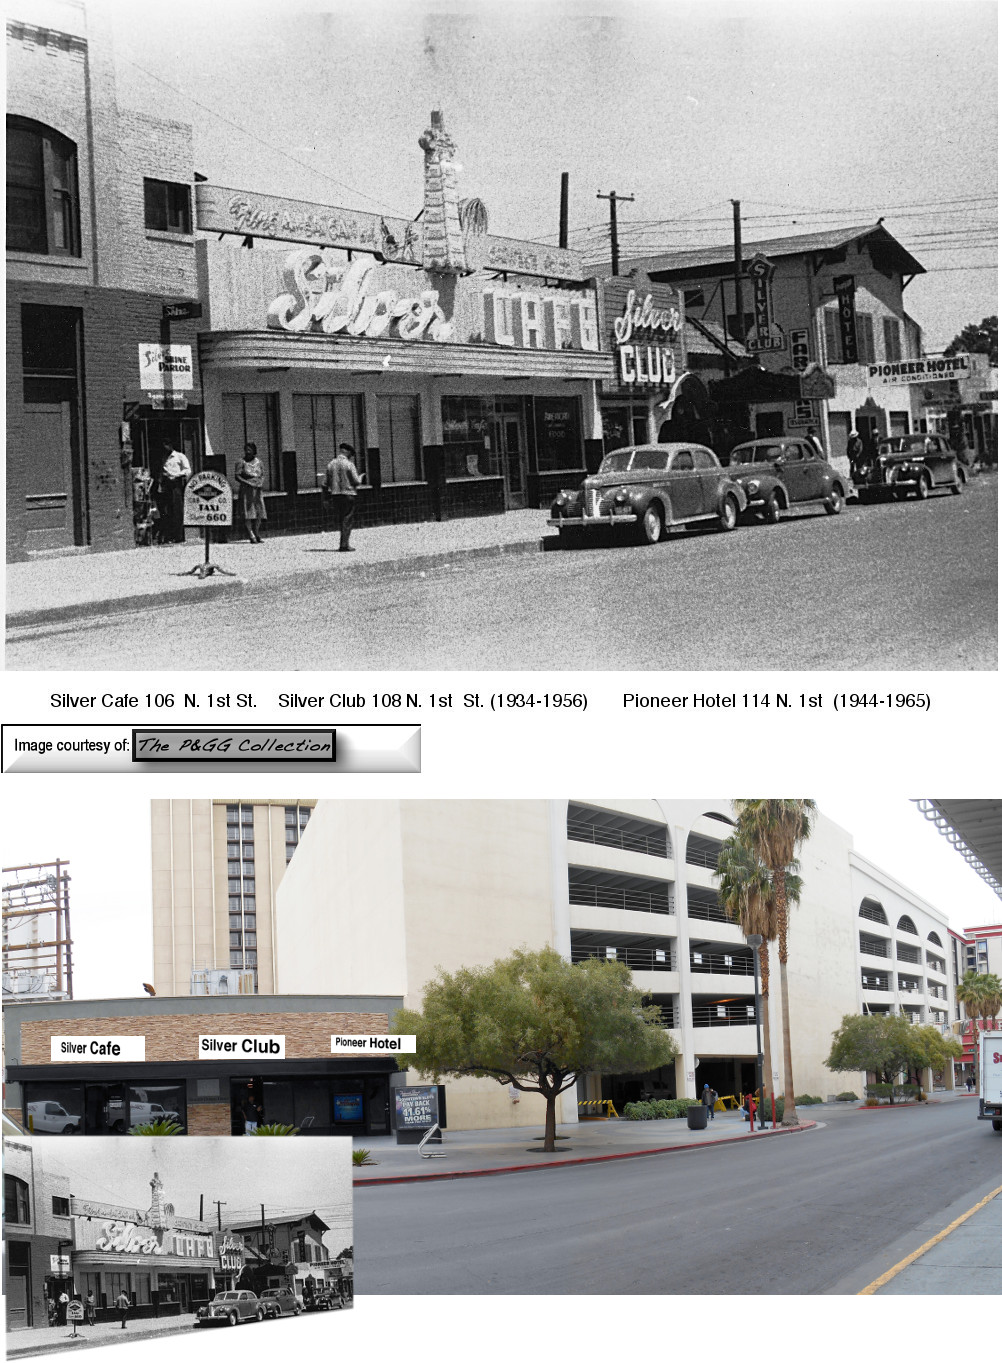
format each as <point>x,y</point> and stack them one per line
<point>658,1109</point>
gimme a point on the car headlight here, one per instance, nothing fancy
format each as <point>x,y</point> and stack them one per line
<point>752,485</point>
<point>622,495</point>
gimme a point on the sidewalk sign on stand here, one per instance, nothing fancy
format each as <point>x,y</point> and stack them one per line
<point>208,502</point>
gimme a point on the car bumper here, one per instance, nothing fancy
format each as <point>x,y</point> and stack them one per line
<point>585,522</point>
<point>212,1320</point>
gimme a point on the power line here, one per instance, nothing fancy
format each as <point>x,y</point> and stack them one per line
<point>270,145</point>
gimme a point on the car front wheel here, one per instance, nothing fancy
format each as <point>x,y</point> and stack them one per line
<point>923,487</point>
<point>957,487</point>
<point>728,514</point>
<point>771,510</point>
<point>652,524</point>
<point>232,1318</point>
<point>834,503</point>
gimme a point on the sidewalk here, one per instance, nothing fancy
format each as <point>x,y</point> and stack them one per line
<point>469,1154</point>
<point>960,1259</point>
<point>54,1338</point>
<point>47,591</point>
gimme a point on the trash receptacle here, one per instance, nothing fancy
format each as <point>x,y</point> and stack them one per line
<point>696,1117</point>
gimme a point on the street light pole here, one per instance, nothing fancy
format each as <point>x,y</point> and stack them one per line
<point>754,940</point>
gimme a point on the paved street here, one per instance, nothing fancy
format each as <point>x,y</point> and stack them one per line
<point>888,586</point>
<point>825,1211</point>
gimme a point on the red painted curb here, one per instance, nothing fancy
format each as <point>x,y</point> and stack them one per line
<point>583,1159</point>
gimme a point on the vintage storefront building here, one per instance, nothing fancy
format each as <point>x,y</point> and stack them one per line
<point>197,1061</point>
<point>461,367</point>
<point>823,316</point>
<point>38,1235</point>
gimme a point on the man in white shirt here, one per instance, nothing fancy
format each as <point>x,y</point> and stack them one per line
<point>174,473</point>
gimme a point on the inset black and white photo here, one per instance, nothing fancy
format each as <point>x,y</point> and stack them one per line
<point>110,1240</point>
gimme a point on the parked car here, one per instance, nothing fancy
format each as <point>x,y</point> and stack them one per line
<point>52,1117</point>
<point>782,472</point>
<point>650,487</point>
<point>280,1301</point>
<point>910,463</point>
<point>231,1308</point>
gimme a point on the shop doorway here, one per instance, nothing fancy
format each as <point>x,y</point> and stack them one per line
<point>768,424</point>
<point>18,1285</point>
<point>51,342</point>
<point>509,442</point>
<point>106,1110</point>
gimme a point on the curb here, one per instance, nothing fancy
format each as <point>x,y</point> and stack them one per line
<point>176,596</point>
<point>582,1159</point>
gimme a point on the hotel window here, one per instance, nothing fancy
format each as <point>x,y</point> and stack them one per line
<point>558,434</point>
<point>233,886</point>
<point>43,213</point>
<point>323,421</point>
<point>16,1205</point>
<point>864,338</point>
<point>466,424</point>
<point>399,438</point>
<point>252,417</point>
<point>694,300</point>
<point>167,207</point>
<point>892,339</point>
<point>60,1206</point>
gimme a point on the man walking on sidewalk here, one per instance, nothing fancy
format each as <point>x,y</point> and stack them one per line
<point>343,482</point>
<point>122,1305</point>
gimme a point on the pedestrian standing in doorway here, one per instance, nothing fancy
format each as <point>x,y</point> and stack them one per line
<point>122,1305</point>
<point>250,1116</point>
<point>64,1301</point>
<point>342,483</point>
<point>249,474</point>
<point>174,474</point>
<point>812,436</point>
<point>90,1309</point>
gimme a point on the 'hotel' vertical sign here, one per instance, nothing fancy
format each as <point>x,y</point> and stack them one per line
<point>845,292</point>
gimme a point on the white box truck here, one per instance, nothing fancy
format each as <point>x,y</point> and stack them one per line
<point>990,1107</point>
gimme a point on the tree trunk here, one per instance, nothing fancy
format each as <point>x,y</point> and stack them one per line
<point>763,957</point>
<point>550,1130</point>
<point>790,1117</point>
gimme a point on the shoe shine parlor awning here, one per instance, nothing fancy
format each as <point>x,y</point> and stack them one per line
<point>373,294</point>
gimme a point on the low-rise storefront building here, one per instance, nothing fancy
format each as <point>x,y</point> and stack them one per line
<point>196,1062</point>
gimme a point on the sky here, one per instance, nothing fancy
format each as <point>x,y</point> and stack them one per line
<point>290,1177</point>
<point>811,115</point>
<point>107,842</point>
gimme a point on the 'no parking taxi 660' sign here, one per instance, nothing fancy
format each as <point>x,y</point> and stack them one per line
<point>208,500</point>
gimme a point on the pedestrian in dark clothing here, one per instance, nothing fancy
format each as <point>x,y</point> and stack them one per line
<point>90,1308</point>
<point>64,1302</point>
<point>709,1100</point>
<point>812,436</point>
<point>122,1305</point>
<point>174,474</point>
<point>854,450</point>
<point>342,483</point>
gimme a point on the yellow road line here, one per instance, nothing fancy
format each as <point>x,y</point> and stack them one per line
<point>916,1254</point>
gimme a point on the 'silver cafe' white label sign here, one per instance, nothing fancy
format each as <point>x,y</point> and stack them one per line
<point>102,1048</point>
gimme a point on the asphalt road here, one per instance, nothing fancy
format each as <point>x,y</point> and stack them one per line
<point>807,1213</point>
<point>881,587</point>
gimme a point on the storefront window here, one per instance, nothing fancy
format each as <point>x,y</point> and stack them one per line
<point>466,427</point>
<point>116,1284</point>
<point>142,1286</point>
<point>558,434</point>
<point>54,1109</point>
<point>16,1206</point>
<point>399,438</point>
<point>323,421</point>
<point>252,417</point>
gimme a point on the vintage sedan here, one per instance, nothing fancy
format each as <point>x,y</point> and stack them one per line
<point>910,463</point>
<point>280,1301</point>
<point>650,487</point>
<point>785,471</point>
<point>231,1308</point>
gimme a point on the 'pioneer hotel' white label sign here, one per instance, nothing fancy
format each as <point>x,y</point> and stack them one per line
<point>373,1045</point>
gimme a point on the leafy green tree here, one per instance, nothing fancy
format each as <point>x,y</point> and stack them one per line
<point>881,1043</point>
<point>932,1050</point>
<point>977,339</point>
<point>774,829</point>
<point>536,1021</point>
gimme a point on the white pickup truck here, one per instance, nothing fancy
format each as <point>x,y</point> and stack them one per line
<point>990,1106</point>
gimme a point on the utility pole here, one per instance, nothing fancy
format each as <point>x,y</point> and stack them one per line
<point>219,1213</point>
<point>739,302</point>
<point>564,190</point>
<point>201,1206</point>
<point>614,199</point>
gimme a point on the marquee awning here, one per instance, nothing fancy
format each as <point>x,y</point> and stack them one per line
<point>757,385</point>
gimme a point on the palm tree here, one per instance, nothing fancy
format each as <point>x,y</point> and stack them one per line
<point>744,891</point>
<point>981,996</point>
<point>774,829</point>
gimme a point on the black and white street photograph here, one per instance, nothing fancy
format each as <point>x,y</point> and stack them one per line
<point>114,1240</point>
<point>460,334</point>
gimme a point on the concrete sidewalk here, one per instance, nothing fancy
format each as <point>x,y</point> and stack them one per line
<point>47,591</point>
<point>468,1154</point>
<point>961,1259</point>
<point>55,1338</point>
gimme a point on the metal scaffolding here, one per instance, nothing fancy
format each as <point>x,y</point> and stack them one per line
<point>37,946</point>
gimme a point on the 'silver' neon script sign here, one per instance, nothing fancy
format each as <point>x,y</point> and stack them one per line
<point>332,298</point>
<point>645,317</point>
<point>126,1239</point>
